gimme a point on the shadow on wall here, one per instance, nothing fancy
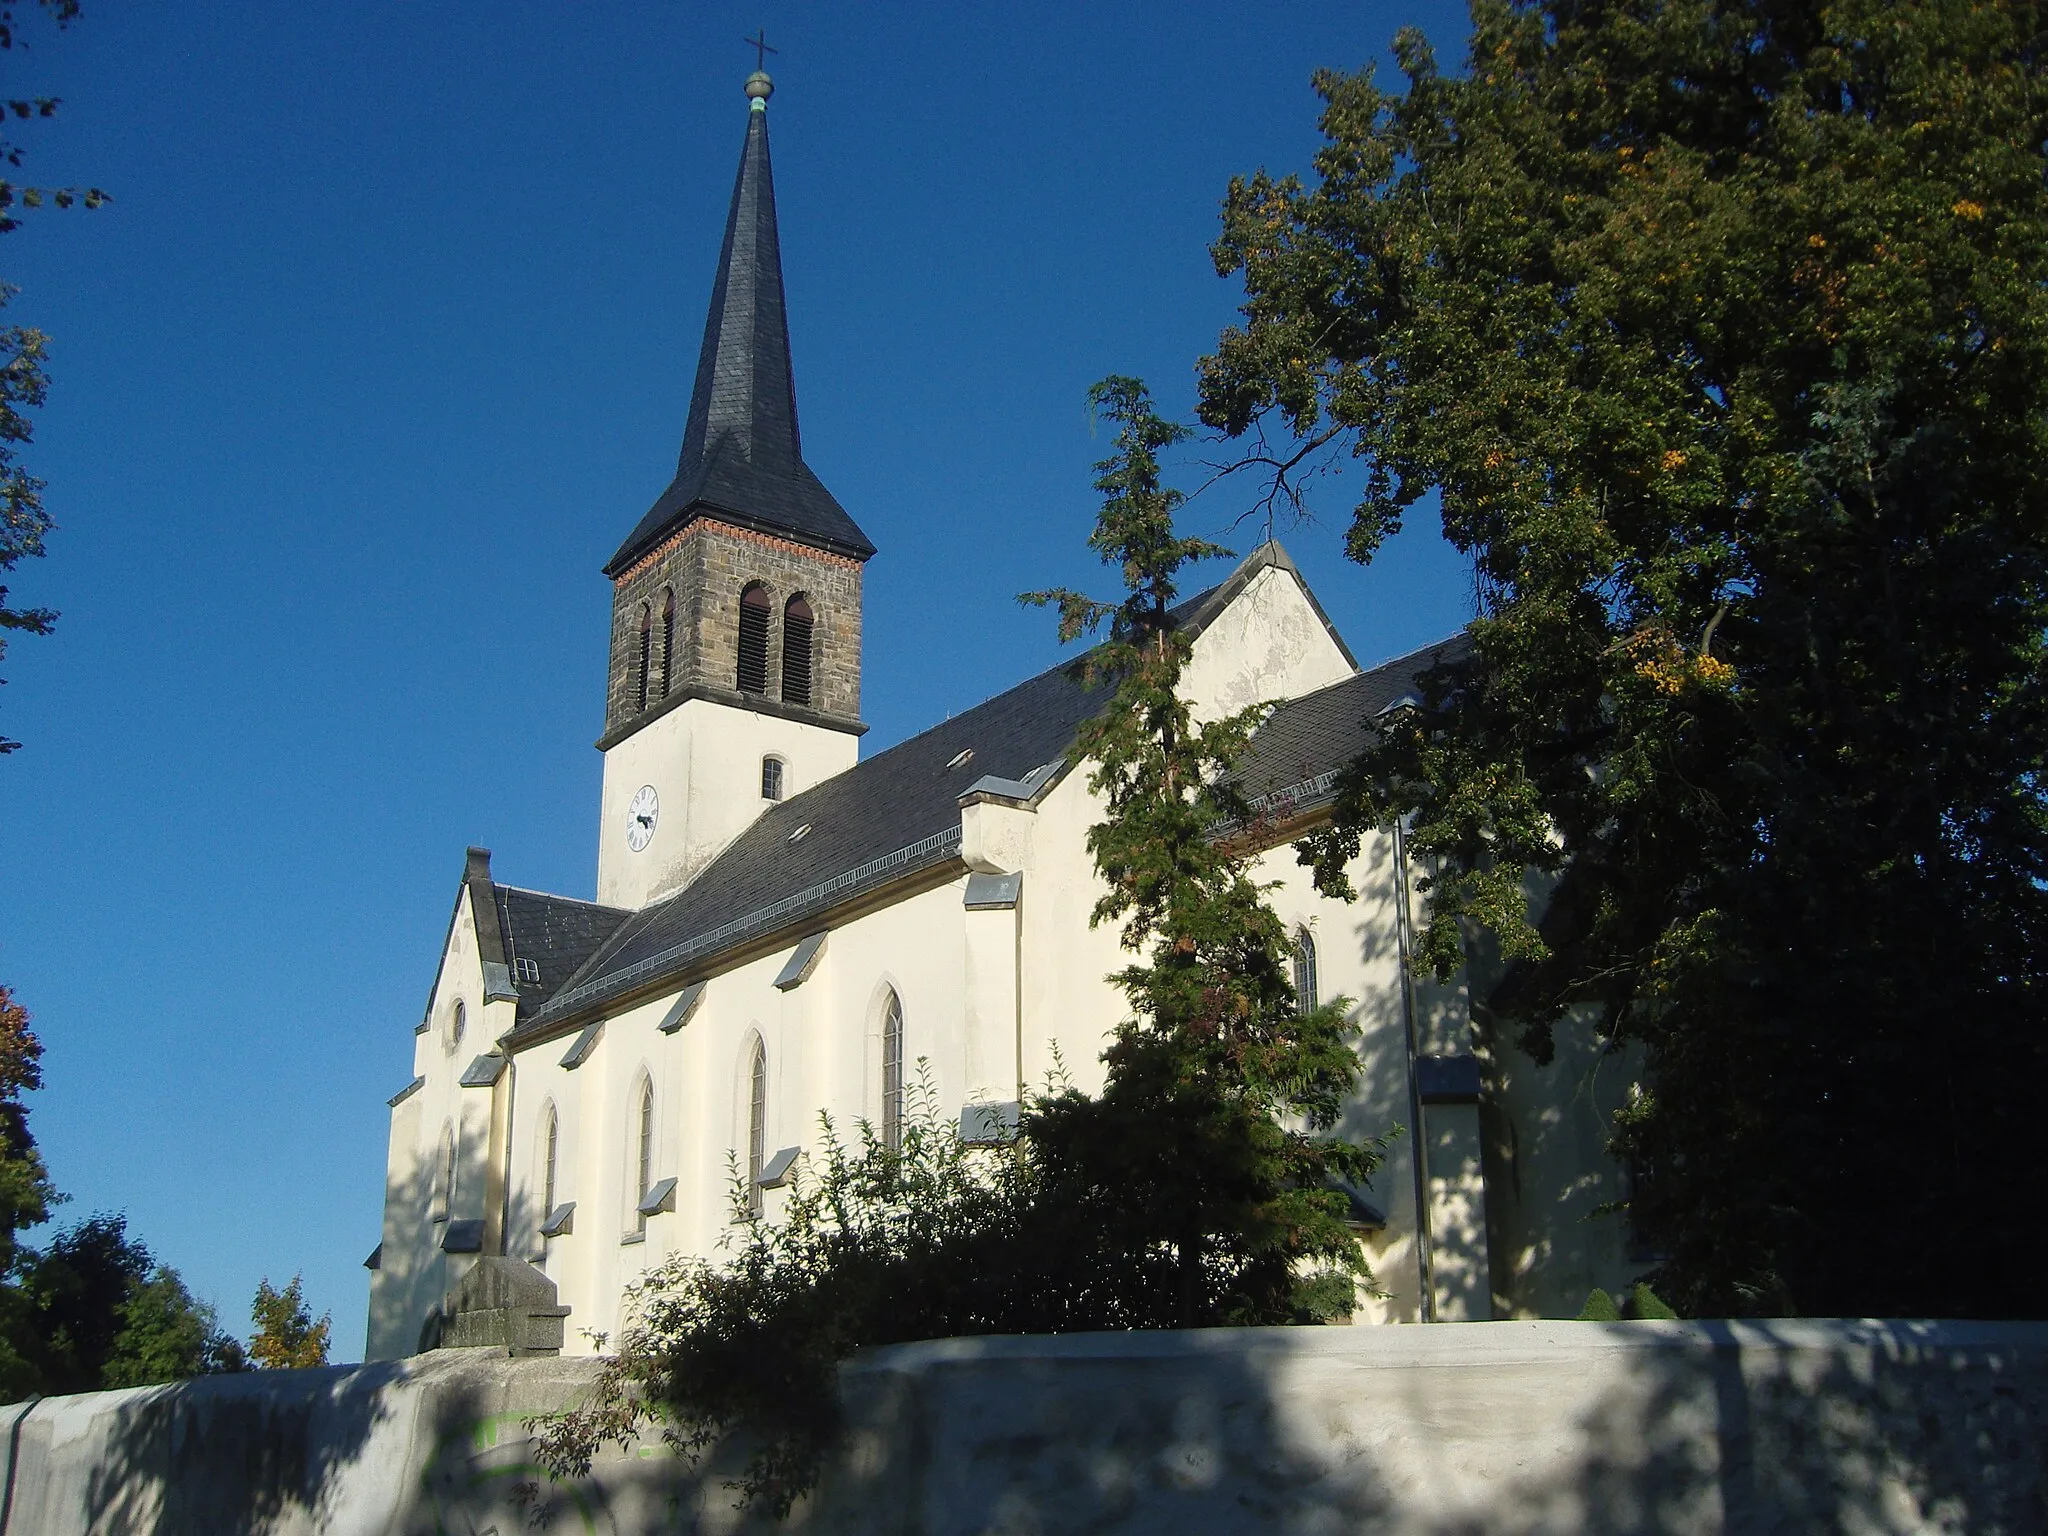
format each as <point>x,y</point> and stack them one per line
<point>438,1445</point>
<point>1501,1428</point>
<point>1513,1427</point>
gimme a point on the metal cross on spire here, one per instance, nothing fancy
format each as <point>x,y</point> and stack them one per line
<point>759,43</point>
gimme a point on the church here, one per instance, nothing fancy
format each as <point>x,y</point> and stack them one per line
<point>784,928</point>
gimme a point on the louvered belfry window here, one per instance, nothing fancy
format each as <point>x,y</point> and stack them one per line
<point>796,652</point>
<point>668,641</point>
<point>646,644</point>
<point>754,614</point>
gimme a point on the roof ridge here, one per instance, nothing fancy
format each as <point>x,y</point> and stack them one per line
<point>581,901</point>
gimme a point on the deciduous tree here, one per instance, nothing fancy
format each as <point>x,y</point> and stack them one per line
<point>286,1337</point>
<point>23,383</point>
<point>99,1311</point>
<point>1718,326</point>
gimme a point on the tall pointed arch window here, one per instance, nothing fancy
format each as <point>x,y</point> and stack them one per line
<point>757,1122</point>
<point>646,645</point>
<point>668,640</point>
<point>892,1073</point>
<point>753,658</point>
<point>796,651</point>
<point>550,1149</point>
<point>643,1151</point>
<point>1304,969</point>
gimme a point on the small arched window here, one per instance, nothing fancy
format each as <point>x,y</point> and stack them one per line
<point>458,1021</point>
<point>757,1122</point>
<point>643,1152</point>
<point>771,778</point>
<point>1304,970</point>
<point>668,640</point>
<point>753,661</point>
<point>646,645</point>
<point>444,1175</point>
<point>892,1073</point>
<point>796,651</point>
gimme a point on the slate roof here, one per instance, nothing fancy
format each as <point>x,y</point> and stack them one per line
<point>899,811</point>
<point>742,458</point>
<point>557,933</point>
<point>1298,751</point>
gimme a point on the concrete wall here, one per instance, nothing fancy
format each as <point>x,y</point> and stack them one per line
<point>1518,1427</point>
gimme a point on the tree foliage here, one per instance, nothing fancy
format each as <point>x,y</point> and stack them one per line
<point>1718,327</point>
<point>1197,1189</point>
<point>286,1337</point>
<point>23,382</point>
<point>96,1310</point>
<point>93,1309</point>
<point>26,1193</point>
<point>1208,1159</point>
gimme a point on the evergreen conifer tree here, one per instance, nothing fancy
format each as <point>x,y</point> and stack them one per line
<point>1205,1170</point>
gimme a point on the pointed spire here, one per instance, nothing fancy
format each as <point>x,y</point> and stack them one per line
<point>742,460</point>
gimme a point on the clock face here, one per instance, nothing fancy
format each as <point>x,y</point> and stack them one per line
<point>641,816</point>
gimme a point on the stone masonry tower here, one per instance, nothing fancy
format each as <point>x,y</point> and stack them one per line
<point>736,601</point>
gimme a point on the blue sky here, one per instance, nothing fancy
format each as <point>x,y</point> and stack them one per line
<point>384,343</point>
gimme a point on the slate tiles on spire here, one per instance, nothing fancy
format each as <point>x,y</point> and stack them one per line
<point>742,460</point>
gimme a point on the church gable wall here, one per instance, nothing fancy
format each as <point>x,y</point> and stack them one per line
<point>1268,644</point>
<point>414,1271</point>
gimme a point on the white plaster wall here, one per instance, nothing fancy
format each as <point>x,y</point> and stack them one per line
<point>704,761</point>
<point>1549,1172</point>
<point>980,991</point>
<point>1694,1429</point>
<point>821,1057</point>
<point>414,1272</point>
<point>1268,645</point>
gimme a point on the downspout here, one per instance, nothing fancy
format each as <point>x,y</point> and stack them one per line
<point>1424,1262</point>
<point>1017,970</point>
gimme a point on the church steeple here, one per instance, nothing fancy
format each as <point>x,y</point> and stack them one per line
<point>742,459</point>
<point>736,603</point>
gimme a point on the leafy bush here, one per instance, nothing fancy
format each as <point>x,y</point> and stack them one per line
<point>872,1245</point>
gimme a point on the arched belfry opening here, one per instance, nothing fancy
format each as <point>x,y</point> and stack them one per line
<point>755,608</point>
<point>646,643</point>
<point>796,650</point>
<point>668,639</point>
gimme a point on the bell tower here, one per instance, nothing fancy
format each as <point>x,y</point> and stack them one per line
<point>736,601</point>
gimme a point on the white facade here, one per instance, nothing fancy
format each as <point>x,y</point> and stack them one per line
<point>989,998</point>
<point>585,1080</point>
